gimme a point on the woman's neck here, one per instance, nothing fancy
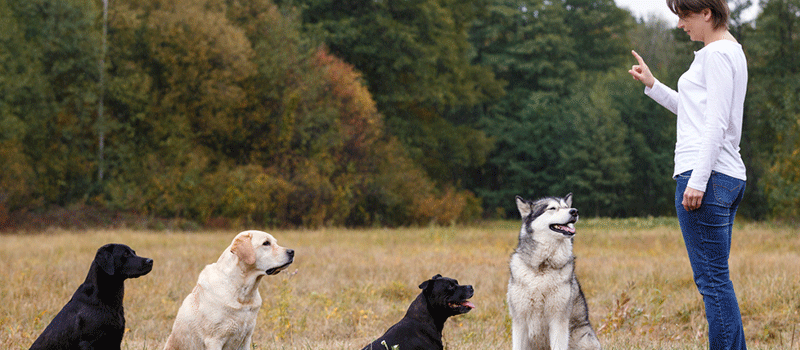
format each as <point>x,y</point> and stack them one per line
<point>717,35</point>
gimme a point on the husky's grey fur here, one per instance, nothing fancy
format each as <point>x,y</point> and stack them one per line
<point>547,306</point>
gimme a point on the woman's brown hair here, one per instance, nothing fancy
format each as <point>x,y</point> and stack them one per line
<point>719,9</point>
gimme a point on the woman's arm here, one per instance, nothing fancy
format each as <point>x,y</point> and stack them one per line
<point>653,88</point>
<point>664,96</point>
<point>718,74</point>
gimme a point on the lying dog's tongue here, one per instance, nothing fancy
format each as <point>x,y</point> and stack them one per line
<point>465,303</point>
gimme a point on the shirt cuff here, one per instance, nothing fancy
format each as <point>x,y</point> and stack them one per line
<point>648,90</point>
<point>699,180</point>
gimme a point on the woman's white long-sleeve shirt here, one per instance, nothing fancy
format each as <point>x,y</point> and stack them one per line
<point>710,105</point>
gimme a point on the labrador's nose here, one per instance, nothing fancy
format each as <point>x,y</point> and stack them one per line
<point>290,253</point>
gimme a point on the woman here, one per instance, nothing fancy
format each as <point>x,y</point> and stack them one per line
<point>709,171</point>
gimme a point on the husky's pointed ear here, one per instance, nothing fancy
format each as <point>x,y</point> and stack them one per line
<point>568,199</point>
<point>523,206</point>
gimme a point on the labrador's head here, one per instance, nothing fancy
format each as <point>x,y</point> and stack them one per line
<point>259,251</point>
<point>121,261</point>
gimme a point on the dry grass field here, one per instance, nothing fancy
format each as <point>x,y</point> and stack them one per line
<point>348,286</point>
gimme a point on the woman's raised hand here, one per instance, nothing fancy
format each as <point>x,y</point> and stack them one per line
<point>641,72</point>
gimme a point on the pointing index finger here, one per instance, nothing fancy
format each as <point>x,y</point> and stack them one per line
<point>638,58</point>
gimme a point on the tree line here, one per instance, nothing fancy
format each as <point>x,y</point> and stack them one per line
<point>361,112</point>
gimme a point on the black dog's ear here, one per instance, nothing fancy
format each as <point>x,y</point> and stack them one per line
<point>105,260</point>
<point>425,284</point>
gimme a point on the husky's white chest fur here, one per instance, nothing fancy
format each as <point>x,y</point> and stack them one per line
<point>539,290</point>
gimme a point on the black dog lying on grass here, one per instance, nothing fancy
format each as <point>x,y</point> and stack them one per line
<point>421,328</point>
<point>94,317</point>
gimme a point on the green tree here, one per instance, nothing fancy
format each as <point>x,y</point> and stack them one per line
<point>595,161</point>
<point>772,122</point>
<point>234,114</point>
<point>49,70</point>
<point>600,31</point>
<point>415,60</point>
<point>528,45</point>
<point>650,143</point>
<point>16,79</point>
<point>527,153</point>
<point>556,129</point>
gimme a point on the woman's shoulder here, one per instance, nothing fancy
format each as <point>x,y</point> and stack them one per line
<point>728,50</point>
<point>723,45</point>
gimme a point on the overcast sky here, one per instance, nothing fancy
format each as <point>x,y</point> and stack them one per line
<point>643,9</point>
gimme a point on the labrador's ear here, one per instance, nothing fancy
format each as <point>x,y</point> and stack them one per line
<point>244,249</point>
<point>105,260</point>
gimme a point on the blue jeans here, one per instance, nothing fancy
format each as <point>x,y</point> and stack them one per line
<point>707,234</point>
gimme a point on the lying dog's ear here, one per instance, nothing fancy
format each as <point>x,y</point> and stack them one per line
<point>243,249</point>
<point>568,200</point>
<point>523,206</point>
<point>425,284</point>
<point>105,260</point>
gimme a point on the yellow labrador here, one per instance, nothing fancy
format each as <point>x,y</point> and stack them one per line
<point>220,312</point>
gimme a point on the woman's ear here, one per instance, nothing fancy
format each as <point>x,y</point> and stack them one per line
<point>706,13</point>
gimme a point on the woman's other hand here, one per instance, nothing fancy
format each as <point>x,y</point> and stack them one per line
<point>692,199</point>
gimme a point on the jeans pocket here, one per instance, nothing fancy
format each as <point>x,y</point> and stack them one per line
<point>726,189</point>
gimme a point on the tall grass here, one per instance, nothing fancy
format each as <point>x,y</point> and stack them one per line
<point>347,287</point>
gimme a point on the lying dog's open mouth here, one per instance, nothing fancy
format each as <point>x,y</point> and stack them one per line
<point>567,229</point>
<point>275,270</point>
<point>462,307</point>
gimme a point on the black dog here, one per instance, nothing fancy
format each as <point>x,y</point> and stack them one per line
<point>421,327</point>
<point>94,318</point>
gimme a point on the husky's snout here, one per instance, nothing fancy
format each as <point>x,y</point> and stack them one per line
<point>568,228</point>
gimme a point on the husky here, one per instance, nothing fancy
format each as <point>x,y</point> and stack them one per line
<point>547,306</point>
